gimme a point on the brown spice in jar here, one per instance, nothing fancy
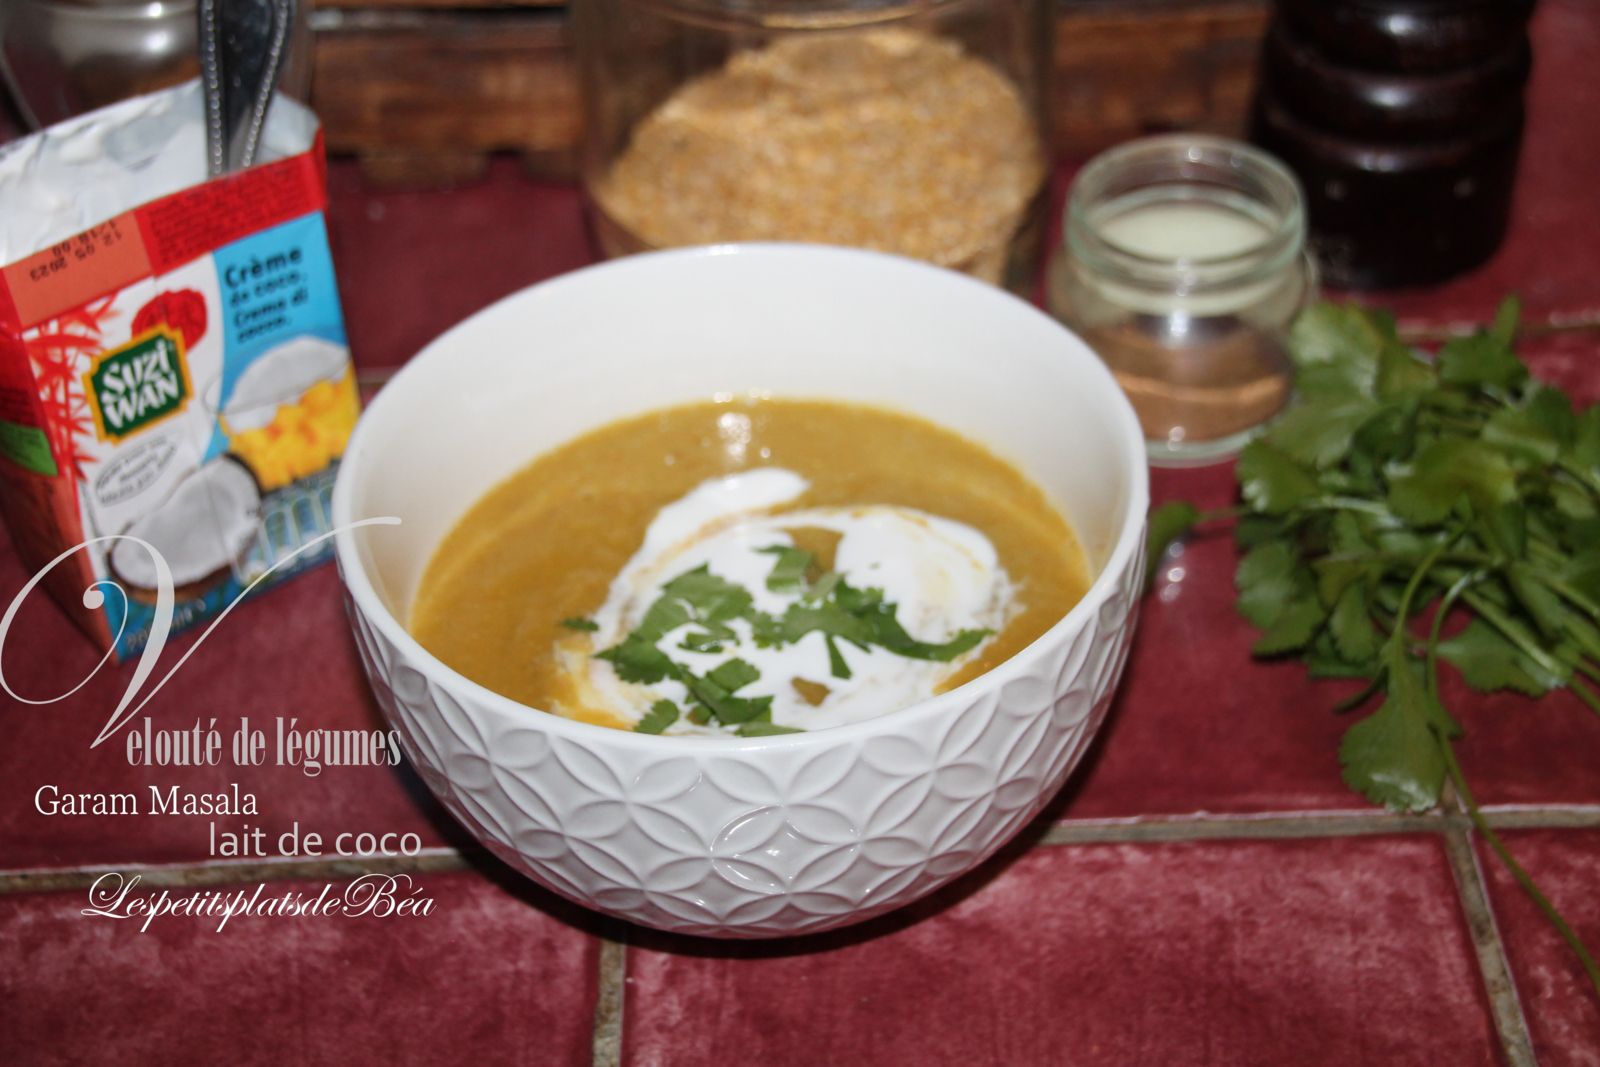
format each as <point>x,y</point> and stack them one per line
<point>890,139</point>
<point>1204,390</point>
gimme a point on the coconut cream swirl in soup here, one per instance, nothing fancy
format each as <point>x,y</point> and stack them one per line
<point>748,568</point>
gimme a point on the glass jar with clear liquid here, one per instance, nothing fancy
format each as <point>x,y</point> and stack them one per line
<point>1183,266</point>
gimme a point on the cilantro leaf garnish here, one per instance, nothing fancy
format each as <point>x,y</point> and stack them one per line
<point>828,617</point>
<point>734,674</point>
<point>706,597</point>
<point>824,586</point>
<point>662,714</point>
<point>764,729</point>
<point>577,622</point>
<point>836,662</point>
<point>637,659</point>
<point>702,641</point>
<point>1396,490</point>
<point>662,617</point>
<point>864,618</point>
<point>885,630</point>
<point>718,699</point>
<point>789,572</point>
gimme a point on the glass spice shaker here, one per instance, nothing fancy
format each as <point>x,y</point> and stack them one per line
<point>908,126</point>
<point>1183,266</point>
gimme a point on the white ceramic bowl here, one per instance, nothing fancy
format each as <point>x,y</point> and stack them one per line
<point>766,836</point>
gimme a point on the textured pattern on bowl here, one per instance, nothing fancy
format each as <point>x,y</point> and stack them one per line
<point>769,836</point>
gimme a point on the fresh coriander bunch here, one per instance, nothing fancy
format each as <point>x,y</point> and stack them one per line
<point>1396,493</point>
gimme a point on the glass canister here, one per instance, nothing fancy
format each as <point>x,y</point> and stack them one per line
<point>908,126</point>
<point>1183,266</point>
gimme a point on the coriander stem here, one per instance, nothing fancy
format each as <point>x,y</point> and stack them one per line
<point>1574,596</point>
<point>1521,876</point>
<point>1515,633</point>
<point>1587,478</point>
<point>1352,503</point>
<point>1565,477</point>
<point>1493,400</point>
<point>1459,423</point>
<point>1519,636</point>
<point>1445,604</point>
<point>1548,553</point>
<point>1404,611</point>
<point>1479,558</point>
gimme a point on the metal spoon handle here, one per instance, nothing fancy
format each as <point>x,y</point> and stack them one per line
<point>257,94</point>
<point>243,44</point>
<point>211,79</point>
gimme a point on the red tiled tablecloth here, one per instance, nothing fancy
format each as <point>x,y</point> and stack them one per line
<point>1205,891</point>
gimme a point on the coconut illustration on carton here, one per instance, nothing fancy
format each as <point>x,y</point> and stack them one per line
<point>289,415</point>
<point>203,530</point>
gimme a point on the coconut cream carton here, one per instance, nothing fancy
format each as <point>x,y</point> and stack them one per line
<point>175,384</point>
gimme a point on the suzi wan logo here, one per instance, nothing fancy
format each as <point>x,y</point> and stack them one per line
<point>139,384</point>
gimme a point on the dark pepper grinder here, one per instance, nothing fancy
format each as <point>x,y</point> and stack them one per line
<point>1403,120</point>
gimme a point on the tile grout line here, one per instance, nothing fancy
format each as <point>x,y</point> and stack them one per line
<point>1308,824</point>
<point>1553,324</point>
<point>1270,825</point>
<point>1472,891</point>
<point>1242,827</point>
<point>1575,817</point>
<point>610,1001</point>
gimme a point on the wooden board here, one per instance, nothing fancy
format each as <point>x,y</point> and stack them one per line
<point>1122,70</point>
<point>421,90</point>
